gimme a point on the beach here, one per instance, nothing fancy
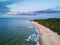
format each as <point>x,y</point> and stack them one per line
<point>47,37</point>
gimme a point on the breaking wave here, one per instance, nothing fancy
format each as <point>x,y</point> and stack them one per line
<point>34,37</point>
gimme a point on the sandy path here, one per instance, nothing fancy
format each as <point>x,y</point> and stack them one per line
<point>47,36</point>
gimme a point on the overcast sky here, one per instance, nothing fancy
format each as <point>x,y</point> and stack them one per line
<point>27,5</point>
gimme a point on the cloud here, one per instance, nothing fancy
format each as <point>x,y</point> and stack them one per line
<point>48,11</point>
<point>3,5</point>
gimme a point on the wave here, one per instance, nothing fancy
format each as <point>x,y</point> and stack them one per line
<point>34,37</point>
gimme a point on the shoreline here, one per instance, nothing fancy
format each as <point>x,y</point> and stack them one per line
<point>47,37</point>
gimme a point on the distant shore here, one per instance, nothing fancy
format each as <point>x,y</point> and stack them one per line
<point>47,37</point>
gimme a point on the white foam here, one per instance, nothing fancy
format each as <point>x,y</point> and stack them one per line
<point>28,38</point>
<point>34,37</point>
<point>37,43</point>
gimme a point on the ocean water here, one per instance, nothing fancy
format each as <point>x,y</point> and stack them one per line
<point>18,32</point>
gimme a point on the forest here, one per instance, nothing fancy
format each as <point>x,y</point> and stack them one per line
<point>52,23</point>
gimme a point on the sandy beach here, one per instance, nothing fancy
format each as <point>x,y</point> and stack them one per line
<point>47,37</point>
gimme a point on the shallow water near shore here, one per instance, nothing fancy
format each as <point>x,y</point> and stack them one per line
<point>18,32</point>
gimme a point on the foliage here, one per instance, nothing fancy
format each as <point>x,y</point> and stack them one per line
<point>52,23</point>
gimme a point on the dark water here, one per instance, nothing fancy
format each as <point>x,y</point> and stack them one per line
<point>18,32</point>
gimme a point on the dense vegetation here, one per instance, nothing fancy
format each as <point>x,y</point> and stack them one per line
<point>52,23</point>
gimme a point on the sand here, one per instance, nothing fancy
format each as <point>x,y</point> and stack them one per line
<point>47,37</point>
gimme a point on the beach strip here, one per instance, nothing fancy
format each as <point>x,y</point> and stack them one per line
<point>47,37</point>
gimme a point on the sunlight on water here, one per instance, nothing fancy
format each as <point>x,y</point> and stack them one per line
<point>18,32</point>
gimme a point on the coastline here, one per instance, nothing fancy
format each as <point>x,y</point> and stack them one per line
<point>47,37</point>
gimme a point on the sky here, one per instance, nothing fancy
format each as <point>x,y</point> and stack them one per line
<point>26,5</point>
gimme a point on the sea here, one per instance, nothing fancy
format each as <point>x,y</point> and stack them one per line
<point>15,31</point>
